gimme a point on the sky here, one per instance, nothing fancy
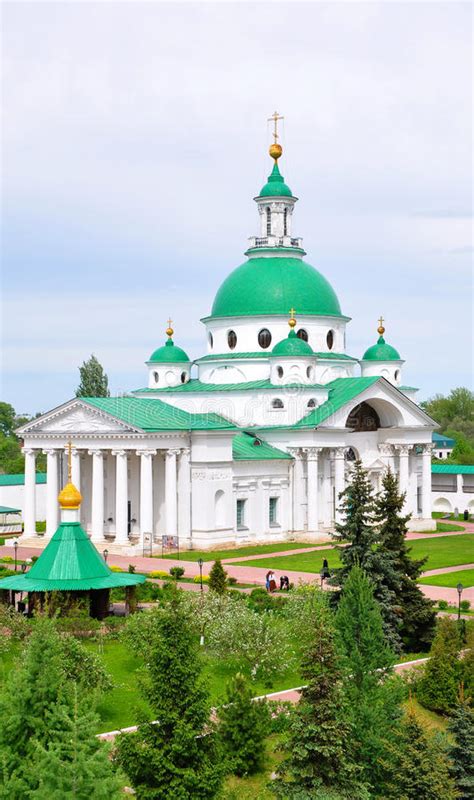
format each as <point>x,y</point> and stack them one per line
<point>134,137</point>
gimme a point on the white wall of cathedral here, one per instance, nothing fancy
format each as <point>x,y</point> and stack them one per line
<point>390,370</point>
<point>322,332</point>
<point>168,375</point>
<point>243,370</point>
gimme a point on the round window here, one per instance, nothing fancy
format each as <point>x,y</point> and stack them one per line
<point>232,339</point>
<point>302,334</point>
<point>210,339</point>
<point>330,340</point>
<point>280,372</point>
<point>264,338</point>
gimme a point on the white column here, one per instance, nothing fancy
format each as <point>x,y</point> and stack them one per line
<point>171,499</point>
<point>339,483</point>
<point>184,497</point>
<point>403,453</point>
<point>298,480</point>
<point>312,455</point>
<point>146,492</point>
<point>121,496</point>
<point>76,469</point>
<point>29,511</point>
<point>327,490</point>
<point>426,482</point>
<point>52,490</point>
<point>97,495</point>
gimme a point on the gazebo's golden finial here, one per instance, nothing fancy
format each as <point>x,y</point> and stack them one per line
<point>169,330</point>
<point>275,149</point>
<point>69,497</point>
<point>292,320</point>
<point>381,329</point>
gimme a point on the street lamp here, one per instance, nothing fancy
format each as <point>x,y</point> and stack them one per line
<point>460,589</point>
<point>200,562</point>
<point>105,553</point>
<point>15,547</point>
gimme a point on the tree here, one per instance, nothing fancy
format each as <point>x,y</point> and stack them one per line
<point>177,756</point>
<point>415,611</point>
<point>319,760</point>
<point>374,696</point>
<point>11,457</point>
<point>243,725</point>
<point>218,577</point>
<point>418,767</point>
<point>454,413</point>
<point>94,381</point>
<point>74,763</point>
<point>461,752</point>
<point>359,530</point>
<point>438,688</point>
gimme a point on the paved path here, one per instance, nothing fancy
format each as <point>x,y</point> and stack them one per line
<point>442,570</point>
<point>315,548</point>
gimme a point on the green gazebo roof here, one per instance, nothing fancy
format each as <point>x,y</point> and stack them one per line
<point>70,562</point>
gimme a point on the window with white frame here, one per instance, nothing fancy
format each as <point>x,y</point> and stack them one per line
<point>273,510</point>
<point>241,514</point>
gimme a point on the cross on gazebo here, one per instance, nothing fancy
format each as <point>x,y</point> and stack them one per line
<point>69,447</point>
<point>275,117</point>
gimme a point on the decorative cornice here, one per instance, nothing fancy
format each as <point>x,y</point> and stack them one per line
<point>403,449</point>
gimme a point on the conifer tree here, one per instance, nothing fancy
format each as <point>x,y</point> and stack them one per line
<point>94,381</point>
<point>461,752</point>
<point>416,612</point>
<point>74,763</point>
<point>418,765</point>
<point>438,689</point>
<point>320,760</point>
<point>218,577</point>
<point>374,697</point>
<point>177,756</point>
<point>243,725</point>
<point>359,530</point>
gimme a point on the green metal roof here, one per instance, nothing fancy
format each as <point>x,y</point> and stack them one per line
<point>195,385</point>
<point>442,441</point>
<point>264,286</point>
<point>381,352</point>
<point>8,510</point>
<point>275,186</point>
<point>169,353</point>
<point>247,447</point>
<point>453,469</point>
<point>224,356</point>
<point>155,415</point>
<point>292,345</point>
<point>18,479</point>
<point>341,391</point>
<point>69,562</point>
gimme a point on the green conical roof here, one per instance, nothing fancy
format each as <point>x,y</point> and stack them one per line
<point>292,346</point>
<point>275,185</point>
<point>168,353</point>
<point>381,352</point>
<point>69,562</point>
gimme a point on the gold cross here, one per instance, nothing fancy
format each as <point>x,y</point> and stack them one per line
<point>70,447</point>
<point>275,117</point>
<point>381,322</point>
<point>292,312</point>
<point>170,322</point>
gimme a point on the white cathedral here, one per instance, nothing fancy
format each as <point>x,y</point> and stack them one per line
<point>254,440</point>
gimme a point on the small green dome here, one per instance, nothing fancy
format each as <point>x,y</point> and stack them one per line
<point>168,354</point>
<point>276,186</point>
<point>292,346</point>
<point>381,352</point>
<point>262,286</point>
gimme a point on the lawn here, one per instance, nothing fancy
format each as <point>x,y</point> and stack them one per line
<point>445,551</point>
<point>237,552</point>
<point>451,579</point>
<point>445,527</point>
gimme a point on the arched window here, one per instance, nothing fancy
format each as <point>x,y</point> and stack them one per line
<point>330,340</point>
<point>277,403</point>
<point>232,339</point>
<point>363,418</point>
<point>350,455</point>
<point>269,221</point>
<point>310,373</point>
<point>156,376</point>
<point>311,403</point>
<point>285,222</point>
<point>302,334</point>
<point>264,338</point>
<point>280,372</point>
<point>397,374</point>
<point>184,375</point>
<point>210,339</point>
<point>219,509</point>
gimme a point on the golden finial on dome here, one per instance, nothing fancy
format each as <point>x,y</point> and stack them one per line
<point>169,330</point>
<point>275,149</point>
<point>69,496</point>
<point>292,320</point>
<point>381,329</point>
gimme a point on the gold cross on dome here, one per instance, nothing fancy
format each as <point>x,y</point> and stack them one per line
<point>275,117</point>
<point>292,312</point>
<point>70,447</point>
<point>381,322</point>
<point>170,322</point>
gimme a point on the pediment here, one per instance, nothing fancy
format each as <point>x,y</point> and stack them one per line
<point>76,418</point>
<point>376,465</point>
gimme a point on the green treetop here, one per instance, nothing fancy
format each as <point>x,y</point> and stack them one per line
<point>438,689</point>
<point>218,577</point>
<point>94,381</point>
<point>243,725</point>
<point>461,752</point>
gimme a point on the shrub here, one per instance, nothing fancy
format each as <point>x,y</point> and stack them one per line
<point>465,605</point>
<point>131,568</point>
<point>80,626</point>
<point>34,559</point>
<point>197,579</point>
<point>442,605</point>
<point>115,569</point>
<point>231,580</point>
<point>41,526</point>
<point>218,577</point>
<point>2,542</point>
<point>8,559</point>
<point>82,666</point>
<point>177,572</point>
<point>159,573</point>
<point>113,626</point>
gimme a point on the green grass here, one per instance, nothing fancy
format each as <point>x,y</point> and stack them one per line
<point>444,527</point>
<point>237,552</point>
<point>304,562</point>
<point>451,579</point>
<point>441,514</point>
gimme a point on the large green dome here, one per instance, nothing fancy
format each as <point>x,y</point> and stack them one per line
<point>264,286</point>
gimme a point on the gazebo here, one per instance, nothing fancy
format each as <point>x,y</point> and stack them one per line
<point>70,563</point>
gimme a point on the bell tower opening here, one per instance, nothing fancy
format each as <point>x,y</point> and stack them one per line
<point>363,418</point>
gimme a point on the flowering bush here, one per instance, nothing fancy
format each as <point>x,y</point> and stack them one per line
<point>197,579</point>
<point>159,573</point>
